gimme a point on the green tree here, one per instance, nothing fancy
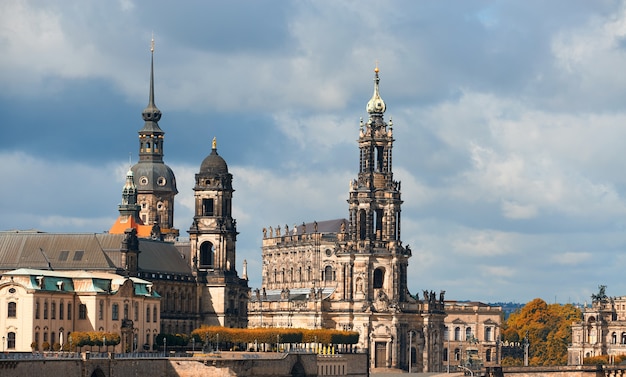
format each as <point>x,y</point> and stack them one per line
<point>548,329</point>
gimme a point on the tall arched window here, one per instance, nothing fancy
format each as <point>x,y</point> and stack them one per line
<point>328,273</point>
<point>362,224</point>
<point>206,254</point>
<point>379,277</point>
<point>147,313</point>
<point>11,341</point>
<point>115,312</point>
<point>12,310</point>
<point>468,333</point>
<point>488,334</point>
<point>457,333</point>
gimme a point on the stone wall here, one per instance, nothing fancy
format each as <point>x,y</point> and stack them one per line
<point>555,371</point>
<point>240,364</point>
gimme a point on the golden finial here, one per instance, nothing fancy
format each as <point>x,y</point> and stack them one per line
<point>152,43</point>
<point>214,143</point>
<point>376,69</point>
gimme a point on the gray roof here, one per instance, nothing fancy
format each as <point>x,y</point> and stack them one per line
<point>324,226</point>
<point>294,294</point>
<point>53,251</point>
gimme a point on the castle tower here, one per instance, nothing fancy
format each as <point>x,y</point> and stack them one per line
<point>212,237</point>
<point>155,181</point>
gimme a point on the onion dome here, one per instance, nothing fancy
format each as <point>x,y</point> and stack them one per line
<point>376,105</point>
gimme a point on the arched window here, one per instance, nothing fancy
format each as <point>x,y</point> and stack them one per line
<point>457,354</point>
<point>328,273</point>
<point>53,310</point>
<point>379,277</point>
<point>154,313</point>
<point>61,310</point>
<point>206,254</point>
<point>614,338</point>
<point>101,310</point>
<point>362,224</point>
<point>457,333</point>
<point>37,309</point>
<point>488,355</point>
<point>623,338</point>
<point>468,333</point>
<point>147,313</point>
<point>125,310</point>
<point>115,312</point>
<point>11,341</point>
<point>12,310</point>
<point>488,331</point>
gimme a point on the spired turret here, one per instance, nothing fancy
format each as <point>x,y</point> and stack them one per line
<point>155,181</point>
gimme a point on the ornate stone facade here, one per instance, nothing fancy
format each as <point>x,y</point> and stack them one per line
<point>602,330</point>
<point>351,273</point>
<point>472,333</point>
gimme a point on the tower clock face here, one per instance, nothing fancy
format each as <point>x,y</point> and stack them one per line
<point>143,180</point>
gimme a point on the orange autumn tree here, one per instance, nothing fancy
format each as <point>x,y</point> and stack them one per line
<point>549,331</point>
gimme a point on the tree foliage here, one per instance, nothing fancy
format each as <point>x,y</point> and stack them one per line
<point>547,327</point>
<point>274,334</point>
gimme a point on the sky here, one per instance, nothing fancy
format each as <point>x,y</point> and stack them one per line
<point>509,119</point>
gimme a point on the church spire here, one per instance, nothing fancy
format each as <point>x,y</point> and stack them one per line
<point>376,105</point>
<point>151,136</point>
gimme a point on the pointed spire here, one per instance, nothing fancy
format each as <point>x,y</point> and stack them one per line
<point>151,112</point>
<point>376,105</point>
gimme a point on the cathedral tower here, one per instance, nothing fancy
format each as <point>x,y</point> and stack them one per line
<point>156,183</point>
<point>374,206</point>
<point>213,236</point>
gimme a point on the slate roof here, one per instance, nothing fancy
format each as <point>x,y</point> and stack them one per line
<point>89,251</point>
<point>294,294</point>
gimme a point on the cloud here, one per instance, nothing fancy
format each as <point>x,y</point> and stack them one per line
<point>572,258</point>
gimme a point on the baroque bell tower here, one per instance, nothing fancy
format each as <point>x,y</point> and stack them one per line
<point>155,181</point>
<point>213,236</point>
<point>374,207</point>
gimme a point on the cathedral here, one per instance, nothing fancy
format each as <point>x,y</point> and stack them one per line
<point>351,274</point>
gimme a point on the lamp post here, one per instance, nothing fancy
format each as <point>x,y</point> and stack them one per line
<point>193,344</point>
<point>104,341</point>
<point>165,346</point>
<point>218,342</point>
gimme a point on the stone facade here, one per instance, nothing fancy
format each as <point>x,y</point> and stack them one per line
<point>351,274</point>
<point>472,333</point>
<point>602,330</point>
